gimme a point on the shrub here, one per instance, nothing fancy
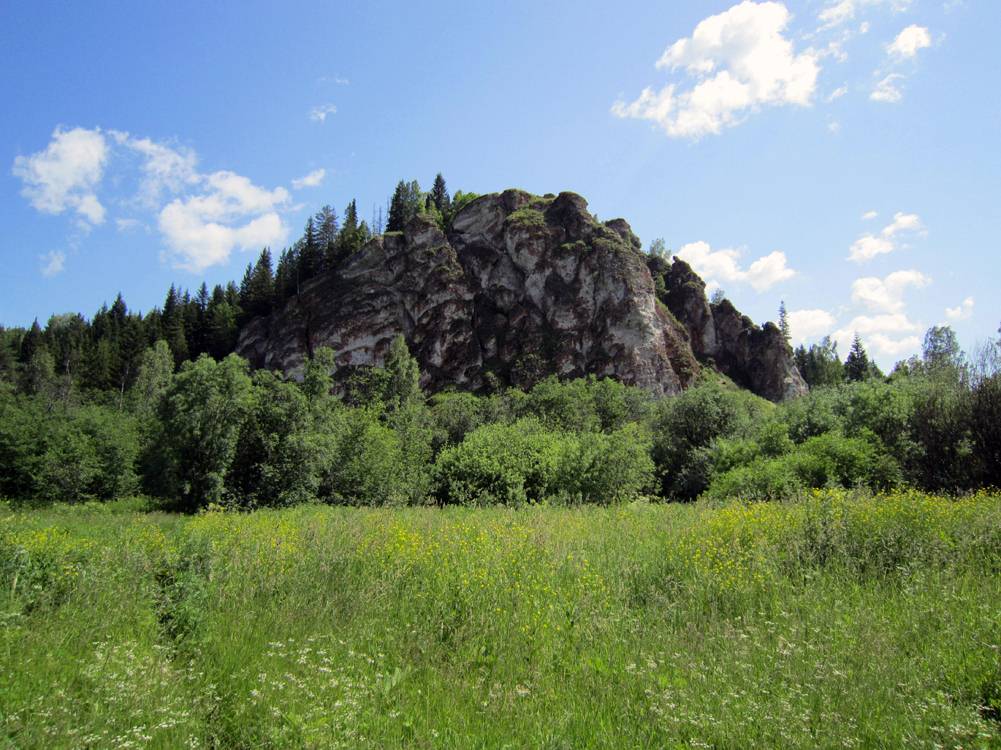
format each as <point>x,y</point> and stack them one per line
<point>524,462</point>
<point>686,427</point>
<point>829,460</point>
<point>602,468</point>
<point>497,463</point>
<point>360,460</point>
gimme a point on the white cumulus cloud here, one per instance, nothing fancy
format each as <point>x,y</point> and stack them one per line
<point>962,311</point>
<point>886,295</point>
<point>738,61</point>
<point>869,215</point>
<point>313,179</point>
<point>805,325</point>
<point>66,173</point>
<point>202,217</point>
<point>868,246</point>
<point>230,213</point>
<point>909,42</point>
<point>723,266</point>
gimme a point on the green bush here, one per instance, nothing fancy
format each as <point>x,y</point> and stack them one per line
<point>524,462</point>
<point>685,428</point>
<point>829,460</point>
<point>497,464</point>
<point>360,460</point>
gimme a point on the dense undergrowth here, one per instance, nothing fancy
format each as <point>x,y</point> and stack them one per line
<point>839,620</point>
<point>214,433</point>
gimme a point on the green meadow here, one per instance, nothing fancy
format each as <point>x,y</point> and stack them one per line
<point>838,619</point>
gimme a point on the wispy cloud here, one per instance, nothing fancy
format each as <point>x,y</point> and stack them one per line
<point>320,113</point>
<point>53,262</point>
<point>313,179</point>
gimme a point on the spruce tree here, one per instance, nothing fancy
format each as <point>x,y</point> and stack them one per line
<point>173,325</point>
<point>257,292</point>
<point>784,322</point>
<point>857,362</point>
<point>326,229</point>
<point>310,252</point>
<point>404,205</point>
<point>439,194</point>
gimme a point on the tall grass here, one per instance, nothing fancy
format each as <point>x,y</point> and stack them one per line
<point>840,620</point>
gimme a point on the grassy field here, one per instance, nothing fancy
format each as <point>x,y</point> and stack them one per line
<point>837,621</point>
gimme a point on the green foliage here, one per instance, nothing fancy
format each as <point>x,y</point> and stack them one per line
<point>686,427</point>
<point>274,460</point>
<point>70,455</point>
<point>455,415</point>
<point>820,365</point>
<point>318,379</point>
<point>857,362</point>
<point>828,460</point>
<point>527,218</point>
<point>985,427</point>
<point>360,461</point>
<point>201,418</point>
<point>403,386</point>
<point>405,204</point>
<point>513,464</point>
<point>497,464</point>
<point>156,373</point>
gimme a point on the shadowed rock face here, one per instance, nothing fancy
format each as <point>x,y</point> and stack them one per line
<point>520,288</point>
<point>756,358</point>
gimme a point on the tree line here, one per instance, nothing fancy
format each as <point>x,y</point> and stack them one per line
<point>212,432</point>
<point>102,354</point>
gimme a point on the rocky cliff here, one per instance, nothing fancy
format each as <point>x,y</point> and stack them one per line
<point>756,358</point>
<point>521,287</point>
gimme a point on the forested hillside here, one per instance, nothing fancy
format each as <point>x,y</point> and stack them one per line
<point>157,403</point>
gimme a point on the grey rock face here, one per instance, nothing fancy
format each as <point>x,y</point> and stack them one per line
<point>520,288</point>
<point>756,358</point>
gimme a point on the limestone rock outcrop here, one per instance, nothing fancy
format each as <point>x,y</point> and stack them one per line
<point>520,287</point>
<point>756,358</point>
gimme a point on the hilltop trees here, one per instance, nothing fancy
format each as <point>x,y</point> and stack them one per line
<point>405,204</point>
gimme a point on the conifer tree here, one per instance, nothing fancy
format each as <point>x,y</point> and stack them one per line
<point>257,291</point>
<point>439,194</point>
<point>857,362</point>
<point>310,252</point>
<point>326,229</point>
<point>784,321</point>
<point>404,205</point>
<point>173,325</point>
<point>31,343</point>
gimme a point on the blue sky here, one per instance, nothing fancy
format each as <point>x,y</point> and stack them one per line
<point>840,155</point>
